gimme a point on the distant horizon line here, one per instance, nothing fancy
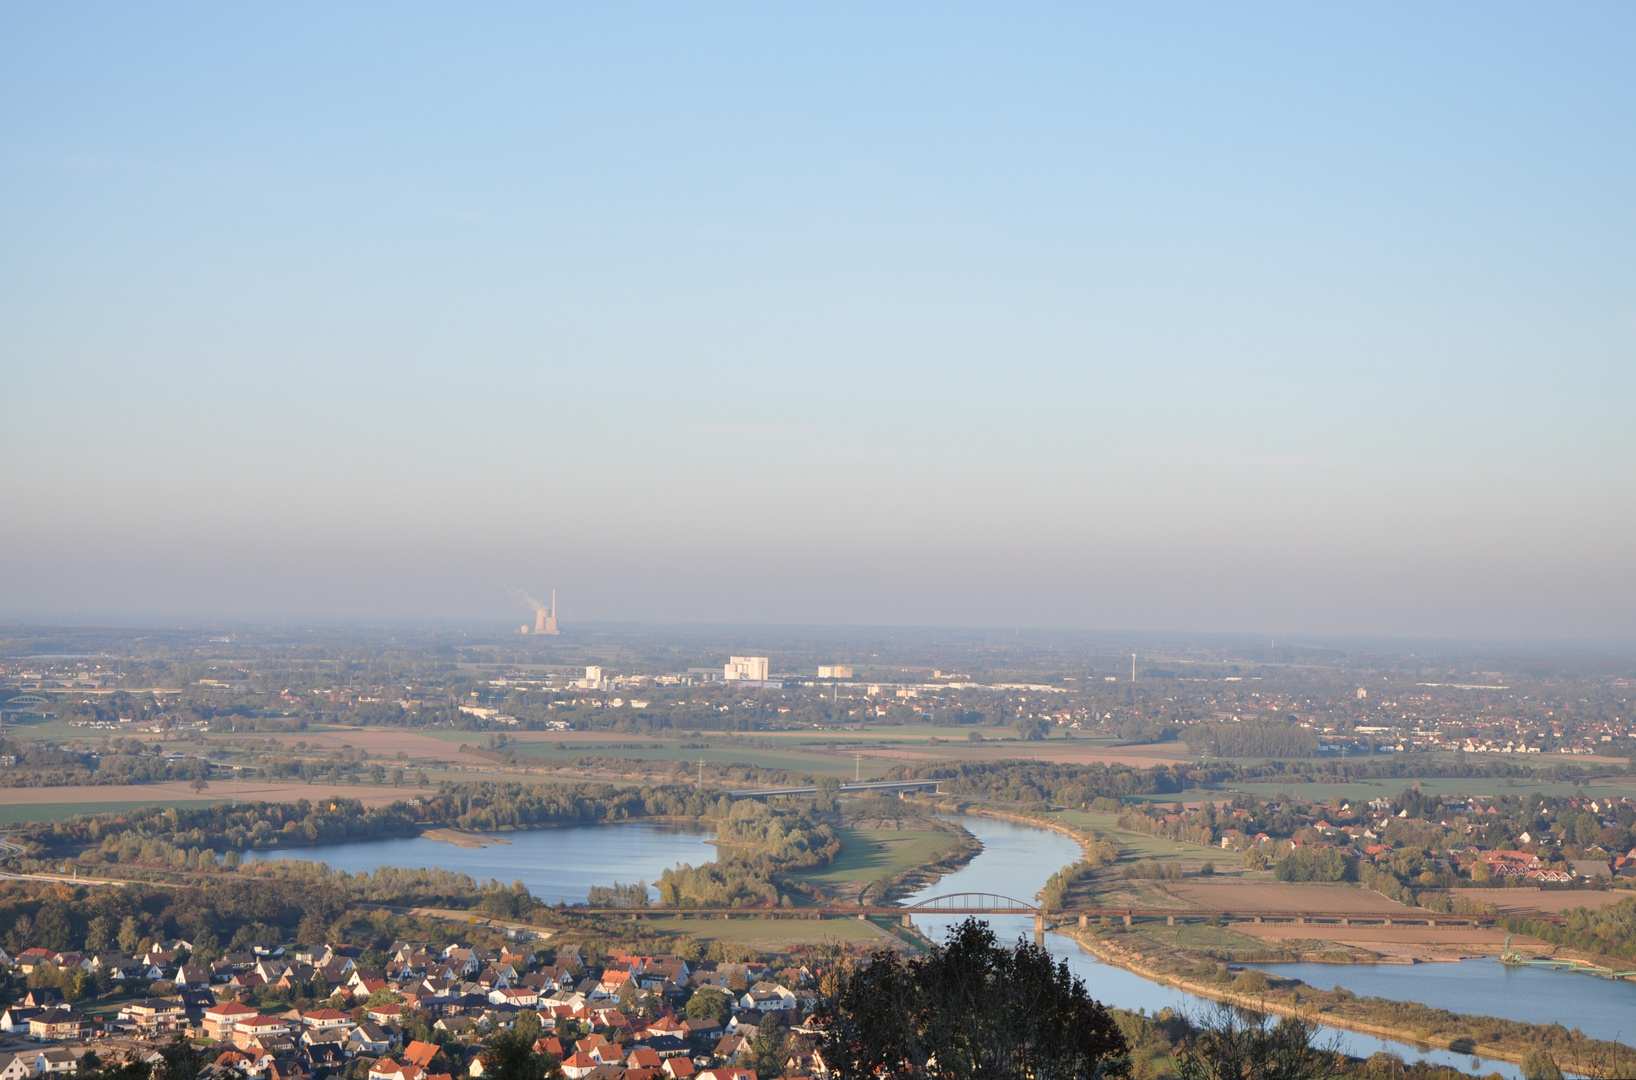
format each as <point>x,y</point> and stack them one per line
<point>499,629</point>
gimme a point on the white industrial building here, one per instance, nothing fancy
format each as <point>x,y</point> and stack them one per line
<point>746,669</point>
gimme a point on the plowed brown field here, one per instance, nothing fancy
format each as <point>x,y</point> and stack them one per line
<point>1274,897</point>
<point>1064,752</point>
<point>1407,942</point>
<point>1527,901</point>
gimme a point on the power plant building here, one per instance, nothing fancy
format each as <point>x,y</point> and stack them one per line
<point>545,619</point>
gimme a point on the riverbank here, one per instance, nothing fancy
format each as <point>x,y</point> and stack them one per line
<point>1083,838</point>
<point>926,874</point>
<point>1493,1037</point>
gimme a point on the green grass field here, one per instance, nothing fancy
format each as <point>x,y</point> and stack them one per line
<point>871,854</point>
<point>58,731</point>
<point>793,760</point>
<point>1141,845</point>
<point>50,811</point>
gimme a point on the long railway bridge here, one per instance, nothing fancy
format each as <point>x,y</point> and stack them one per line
<point>971,903</point>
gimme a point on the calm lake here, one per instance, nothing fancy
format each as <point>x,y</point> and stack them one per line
<point>559,864</point>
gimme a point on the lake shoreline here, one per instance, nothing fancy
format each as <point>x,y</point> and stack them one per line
<point>1541,1034</point>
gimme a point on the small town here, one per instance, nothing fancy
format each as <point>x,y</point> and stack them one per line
<point>426,1013</point>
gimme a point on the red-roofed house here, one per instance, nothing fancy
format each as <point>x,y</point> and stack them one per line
<point>612,982</point>
<point>324,1019</point>
<point>420,1053</point>
<point>256,1025</point>
<point>642,1057</point>
<point>219,1019</point>
<point>579,1065</point>
<point>387,1069</point>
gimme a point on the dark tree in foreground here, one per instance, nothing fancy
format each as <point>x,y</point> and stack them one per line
<point>511,1056</point>
<point>179,1059</point>
<point>1235,1044</point>
<point>971,1008</point>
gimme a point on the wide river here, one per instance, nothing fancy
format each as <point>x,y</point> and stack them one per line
<point>1016,860</point>
<point>561,864</point>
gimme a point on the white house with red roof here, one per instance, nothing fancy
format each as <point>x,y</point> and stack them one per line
<point>219,1019</point>
<point>577,1065</point>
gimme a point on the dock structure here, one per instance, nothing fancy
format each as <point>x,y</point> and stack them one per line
<point>1512,958</point>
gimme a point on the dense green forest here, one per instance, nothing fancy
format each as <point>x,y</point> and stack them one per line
<point>212,914</point>
<point>1251,740</point>
<point>757,844</point>
<point>126,761</point>
<point>1040,784</point>
<point>1609,931</point>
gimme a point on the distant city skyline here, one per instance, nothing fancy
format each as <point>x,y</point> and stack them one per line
<point>1277,320</point>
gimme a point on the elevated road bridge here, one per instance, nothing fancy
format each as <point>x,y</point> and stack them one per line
<point>897,787</point>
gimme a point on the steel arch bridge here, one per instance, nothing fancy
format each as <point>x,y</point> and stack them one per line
<point>971,903</point>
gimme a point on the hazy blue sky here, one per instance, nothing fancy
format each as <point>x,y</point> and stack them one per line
<point>1296,318</point>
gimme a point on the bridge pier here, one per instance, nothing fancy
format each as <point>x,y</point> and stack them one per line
<point>908,922</point>
<point>1084,921</point>
<point>1170,920</point>
<point>1388,921</point>
<point>1346,922</point>
<point>1258,919</point>
<point>1127,918</point>
<point>1039,922</point>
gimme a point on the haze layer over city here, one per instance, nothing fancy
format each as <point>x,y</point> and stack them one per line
<point>1284,319</point>
<point>845,542</point>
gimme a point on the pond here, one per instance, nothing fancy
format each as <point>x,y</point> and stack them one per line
<point>556,864</point>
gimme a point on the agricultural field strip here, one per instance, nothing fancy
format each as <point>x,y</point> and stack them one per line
<point>870,854</point>
<point>1285,897</point>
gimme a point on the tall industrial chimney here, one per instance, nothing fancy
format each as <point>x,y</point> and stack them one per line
<point>547,624</point>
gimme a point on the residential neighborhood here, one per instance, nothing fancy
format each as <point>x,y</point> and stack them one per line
<point>418,1011</point>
